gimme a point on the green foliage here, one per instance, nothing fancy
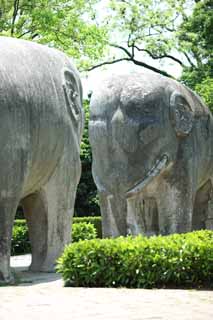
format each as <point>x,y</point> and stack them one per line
<point>86,197</point>
<point>86,155</point>
<point>141,29</point>
<point>96,221</point>
<point>20,223</point>
<point>68,25</point>
<point>196,39</point>
<point>174,261</point>
<point>83,231</point>
<point>145,23</point>
<point>205,90</point>
<point>20,240</point>
<point>195,34</point>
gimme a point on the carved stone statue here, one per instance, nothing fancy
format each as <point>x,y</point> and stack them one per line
<point>152,145</point>
<point>41,120</point>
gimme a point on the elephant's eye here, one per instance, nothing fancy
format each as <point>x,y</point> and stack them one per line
<point>97,129</point>
<point>149,130</point>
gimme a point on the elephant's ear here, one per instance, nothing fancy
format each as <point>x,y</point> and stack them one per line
<point>72,92</point>
<point>181,113</point>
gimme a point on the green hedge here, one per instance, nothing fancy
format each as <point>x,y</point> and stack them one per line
<point>82,228</point>
<point>20,223</point>
<point>96,221</point>
<point>184,260</point>
<point>83,231</point>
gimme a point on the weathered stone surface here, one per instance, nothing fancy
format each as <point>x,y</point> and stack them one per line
<point>152,144</point>
<point>41,126</point>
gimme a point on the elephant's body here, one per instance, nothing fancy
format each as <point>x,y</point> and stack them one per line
<point>152,144</point>
<point>41,125</point>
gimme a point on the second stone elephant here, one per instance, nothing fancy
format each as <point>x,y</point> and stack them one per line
<point>152,145</point>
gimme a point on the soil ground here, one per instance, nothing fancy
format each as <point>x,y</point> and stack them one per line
<point>42,296</point>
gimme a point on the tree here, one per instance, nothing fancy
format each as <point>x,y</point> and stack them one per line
<point>195,36</point>
<point>67,25</point>
<point>86,200</point>
<point>205,90</point>
<point>167,30</point>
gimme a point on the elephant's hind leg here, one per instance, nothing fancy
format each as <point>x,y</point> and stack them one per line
<point>36,213</point>
<point>49,213</point>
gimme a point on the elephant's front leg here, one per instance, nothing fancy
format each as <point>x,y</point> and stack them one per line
<point>175,208</point>
<point>114,214</point>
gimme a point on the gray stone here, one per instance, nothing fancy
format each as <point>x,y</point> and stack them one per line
<point>41,126</point>
<point>152,145</point>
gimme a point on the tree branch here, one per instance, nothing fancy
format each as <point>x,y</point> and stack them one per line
<point>136,62</point>
<point>15,12</point>
<point>121,48</point>
<point>189,60</point>
<point>160,56</point>
<point>34,36</point>
<point>147,66</point>
<point>107,63</point>
<point>24,33</point>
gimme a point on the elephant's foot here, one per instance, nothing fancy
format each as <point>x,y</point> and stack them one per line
<point>5,281</point>
<point>6,276</point>
<point>49,268</point>
<point>47,262</point>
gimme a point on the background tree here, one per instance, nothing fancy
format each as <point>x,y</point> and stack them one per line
<point>196,37</point>
<point>66,25</point>
<point>144,28</point>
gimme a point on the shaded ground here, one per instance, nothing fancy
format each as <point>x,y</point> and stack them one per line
<point>42,296</point>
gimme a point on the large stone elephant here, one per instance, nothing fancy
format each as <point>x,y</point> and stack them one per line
<point>41,121</point>
<point>152,145</point>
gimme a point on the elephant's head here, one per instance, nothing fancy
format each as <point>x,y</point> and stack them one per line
<point>137,121</point>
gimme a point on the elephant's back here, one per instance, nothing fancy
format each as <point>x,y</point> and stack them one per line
<point>28,69</point>
<point>33,104</point>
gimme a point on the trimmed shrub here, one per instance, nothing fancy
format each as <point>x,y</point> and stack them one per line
<point>83,231</point>
<point>180,260</point>
<point>20,240</point>
<point>96,221</point>
<point>20,223</point>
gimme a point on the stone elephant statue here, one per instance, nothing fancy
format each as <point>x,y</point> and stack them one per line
<point>152,145</point>
<point>41,120</point>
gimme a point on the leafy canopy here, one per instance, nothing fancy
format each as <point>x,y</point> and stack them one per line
<point>68,25</point>
<point>196,37</point>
